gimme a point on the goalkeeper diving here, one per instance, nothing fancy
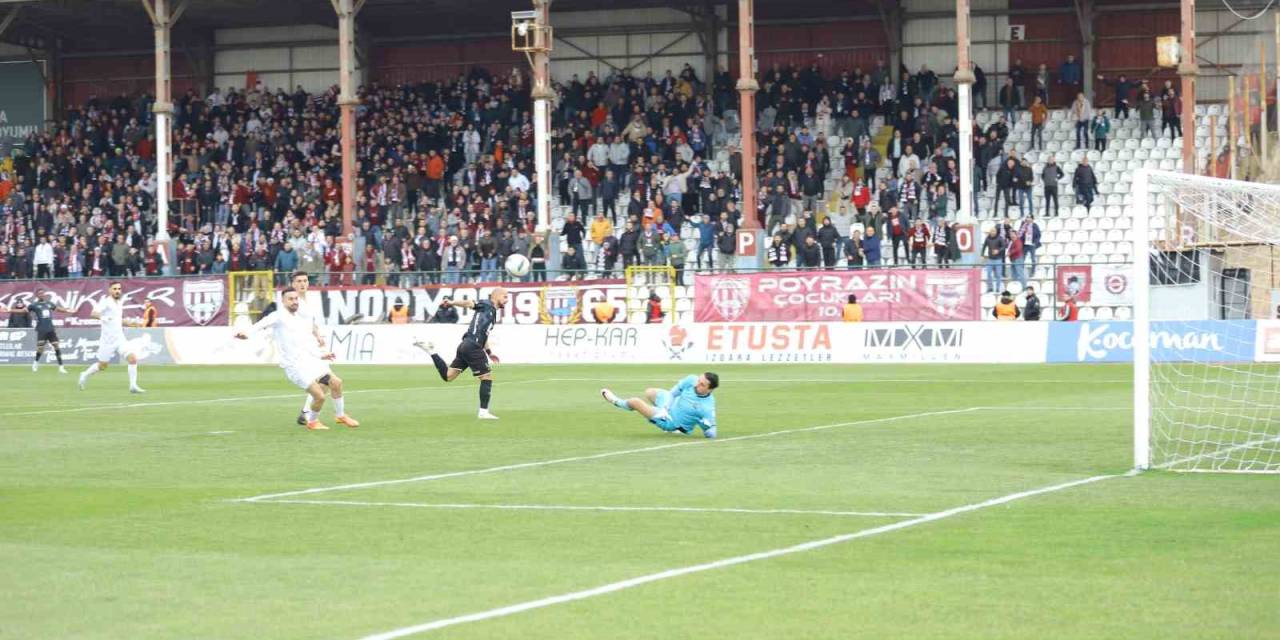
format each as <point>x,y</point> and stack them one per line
<point>687,406</point>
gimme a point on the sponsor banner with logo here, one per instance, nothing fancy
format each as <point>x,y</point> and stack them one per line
<point>819,296</point>
<point>1111,285</point>
<point>1075,281</point>
<point>181,302</point>
<point>1191,341</point>
<point>80,346</point>
<point>529,303</point>
<point>801,342</point>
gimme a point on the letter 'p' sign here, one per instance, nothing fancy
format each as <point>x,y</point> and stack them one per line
<point>747,243</point>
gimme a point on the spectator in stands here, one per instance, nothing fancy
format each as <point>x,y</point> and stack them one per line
<point>1123,89</point>
<point>42,258</point>
<point>898,226</point>
<point>445,313</point>
<point>809,255</point>
<point>286,262</point>
<point>1023,181</point>
<point>583,194</point>
<point>1042,83</point>
<point>828,238</point>
<point>1071,74</point>
<point>1082,113</point>
<point>1018,74</point>
<point>871,246</point>
<point>1009,100</point>
<point>1029,233</point>
<point>1051,176</point>
<point>1085,183</point>
<point>1005,185</point>
<point>993,250</point>
<point>944,236</point>
<point>653,312</point>
<point>1039,115</point>
<point>778,254</point>
<point>676,254</point>
<point>1147,115</point>
<point>979,86</point>
<point>1101,129</point>
<point>1170,111</point>
<point>852,311</point>
<point>852,248</point>
<point>1069,311</point>
<point>727,241</point>
<point>573,264</point>
<point>1014,254</point>
<point>1006,309</point>
<point>919,242</point>
<point>1031,310</point>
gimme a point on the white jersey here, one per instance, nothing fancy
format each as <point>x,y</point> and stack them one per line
<point>111,313</point>
<point>292,333</point>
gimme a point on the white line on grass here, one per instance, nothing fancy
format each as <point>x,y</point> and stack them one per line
<point>594,456</point>
<point>279,396</point>
<point>720,564</point>
<point>555,507</point>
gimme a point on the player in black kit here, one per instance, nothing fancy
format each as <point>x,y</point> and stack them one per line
<point>42,311</point>
<point>473,352</point>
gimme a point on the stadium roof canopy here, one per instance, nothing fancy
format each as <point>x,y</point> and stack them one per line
<point>110,25</point>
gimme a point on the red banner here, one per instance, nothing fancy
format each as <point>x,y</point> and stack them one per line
<point>814,296</point>
<point>181,302</point>
<point>1075,281</point>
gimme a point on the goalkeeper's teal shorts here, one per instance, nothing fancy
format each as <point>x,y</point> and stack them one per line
<point>662,419</point>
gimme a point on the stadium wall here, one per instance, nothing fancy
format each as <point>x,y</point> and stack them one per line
<point>1221,341</point>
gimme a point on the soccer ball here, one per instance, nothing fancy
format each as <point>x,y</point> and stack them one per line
<point>518,265</point>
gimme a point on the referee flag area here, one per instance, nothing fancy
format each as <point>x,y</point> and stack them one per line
<point>854,501</point>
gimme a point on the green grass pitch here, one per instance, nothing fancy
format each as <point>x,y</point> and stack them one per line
<point>118,519</point>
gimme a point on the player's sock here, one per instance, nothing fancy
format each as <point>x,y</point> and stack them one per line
<point>621,403</point>
<point>133,376</point>
<point>306,403</point>
<point>486,389</point>
<point>339,405</point>
<point>441,366</point>
<point>93,368</point>
<point>39,352</point>
<point>57,351</point>
<point>308,413</point>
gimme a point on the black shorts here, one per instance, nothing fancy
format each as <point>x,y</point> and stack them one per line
<point>471,356</point>
<point>47,336</point>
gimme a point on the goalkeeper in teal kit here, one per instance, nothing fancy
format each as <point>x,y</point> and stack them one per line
<point>686,407</point>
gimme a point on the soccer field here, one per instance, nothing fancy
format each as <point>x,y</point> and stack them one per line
<point>937,501</point>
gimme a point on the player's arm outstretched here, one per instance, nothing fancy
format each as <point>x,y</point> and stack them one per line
<point>264,323</point>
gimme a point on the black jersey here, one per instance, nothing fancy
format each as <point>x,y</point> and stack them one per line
<point>481,323</point>
<point>42,313</point>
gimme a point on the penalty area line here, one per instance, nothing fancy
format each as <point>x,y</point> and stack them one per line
<point>595,456</point>
<point>631,583</point>
<point>566,507</point>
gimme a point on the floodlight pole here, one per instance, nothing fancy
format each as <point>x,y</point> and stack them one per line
<point>347,102</point>
<point>964,91</point>
<point>747,88</point>
<point>162,20</point>
<point>1188,69</point>
<point>542,95</point>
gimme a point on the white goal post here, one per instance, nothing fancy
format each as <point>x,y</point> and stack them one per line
<point>1206,261</point>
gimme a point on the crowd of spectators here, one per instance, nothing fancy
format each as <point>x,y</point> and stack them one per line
<point>446,189</point>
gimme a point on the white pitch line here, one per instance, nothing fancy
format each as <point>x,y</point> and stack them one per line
<point>594,456</point>
<point>720,564</point>
<point>556,507</point>
<point>144,405</point>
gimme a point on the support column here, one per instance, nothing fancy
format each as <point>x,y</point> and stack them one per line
<point>162,21</point>
<point>543,99</point>
<point>1084,14</point>
<point>347,102</point>
<point>964,90</point>
<point>747,88</point>
<point>1188,70</point>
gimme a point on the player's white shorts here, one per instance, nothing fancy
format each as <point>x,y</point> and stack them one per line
<point>111,348</point>
<point>305,373</point>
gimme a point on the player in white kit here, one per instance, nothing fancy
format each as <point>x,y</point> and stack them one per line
<point>111,340</point>
<point>293,332</point>
<point>301,282</point>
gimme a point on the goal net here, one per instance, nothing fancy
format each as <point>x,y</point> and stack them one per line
<point>1206,341</point>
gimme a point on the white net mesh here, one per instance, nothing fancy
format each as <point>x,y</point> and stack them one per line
<point>1215,344</point>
